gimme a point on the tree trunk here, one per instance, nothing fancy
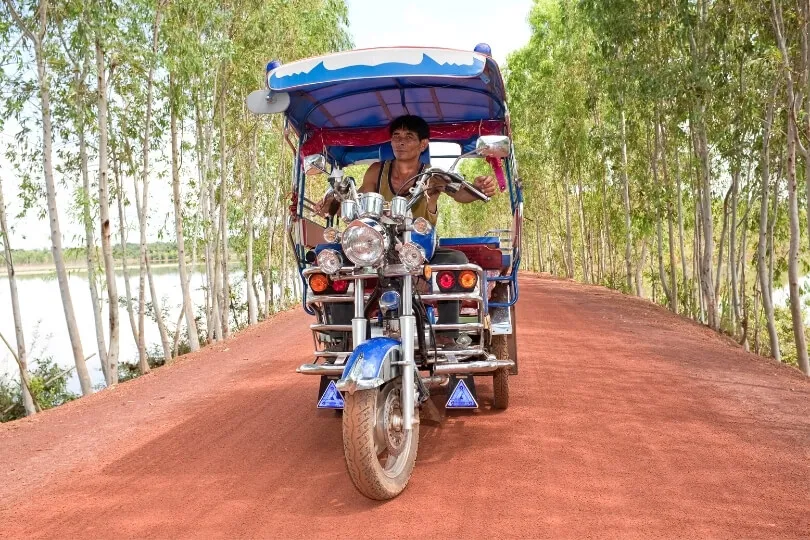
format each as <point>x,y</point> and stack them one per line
<point>662,275</point>
<point>104,211</point>
<point>793,212</point>
<point>21,356</point>
<point>743,316</point>
<point>254,167</point>
<point>732,250</point>
<point>628,250</point>
<point>136,330</point>
<point>539,237</point>
<point>53,214</point>
<point>164,334</point>
<point>673,273</point>
<point>640,268</point>
<point>188,310</point>
<point>143,214</point>
<point>680,217</point>
<point>722,245</point>
<point>793,253</point>
<point>223,224</point>
<point>203,145</point>
<point>284,277</point>
<point>706,278</point>
<point>90,247</point>
<point>586,273</point>
<point>569,248</point>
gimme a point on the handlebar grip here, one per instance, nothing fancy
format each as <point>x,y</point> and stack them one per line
<point>477,193</point>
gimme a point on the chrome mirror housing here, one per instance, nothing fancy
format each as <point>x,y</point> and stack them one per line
<point>266,102</point>
<point>496,146</point>
<point>315,164</point>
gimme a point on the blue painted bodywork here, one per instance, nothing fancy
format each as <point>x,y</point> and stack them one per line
<point>371,353</point>
<point>363,90</point>
<point>320,74</point>
<point>426,242</point>
<point>485,240</point>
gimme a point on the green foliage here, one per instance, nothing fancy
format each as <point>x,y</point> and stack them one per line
<point>653,80</point>
<point>48,383</point>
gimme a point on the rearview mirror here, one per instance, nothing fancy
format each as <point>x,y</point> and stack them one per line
<point>315,164</point>
<point>493,146</point>
<point>267,102</point>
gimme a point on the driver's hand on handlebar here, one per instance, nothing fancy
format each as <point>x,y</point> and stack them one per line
<point>486,185</point>
<point>436,185</point>
<point>322,207</point>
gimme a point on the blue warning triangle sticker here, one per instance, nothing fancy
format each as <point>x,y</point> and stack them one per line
<point>461,398</point>
<point>331,398</point>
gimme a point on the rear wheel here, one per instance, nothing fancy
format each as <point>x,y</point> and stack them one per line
<point>500,380</point>
<point>380,453</point>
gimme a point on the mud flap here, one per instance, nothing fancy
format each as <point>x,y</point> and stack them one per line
<point>328,395</point>
<point>462,393</point>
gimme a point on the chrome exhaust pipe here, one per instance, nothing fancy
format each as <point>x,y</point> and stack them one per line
<point>478,366</point>
<point>320,369</point>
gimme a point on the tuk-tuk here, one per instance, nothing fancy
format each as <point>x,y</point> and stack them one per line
<point>369,259</point>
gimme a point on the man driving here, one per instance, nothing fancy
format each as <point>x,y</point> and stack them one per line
<point>410,136</point>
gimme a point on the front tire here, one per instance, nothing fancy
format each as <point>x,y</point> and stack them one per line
<point>380,453</point>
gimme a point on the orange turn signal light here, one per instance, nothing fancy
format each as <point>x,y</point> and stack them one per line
<point>318,283</point>
<point>467,279</point>
<point>427,271</point>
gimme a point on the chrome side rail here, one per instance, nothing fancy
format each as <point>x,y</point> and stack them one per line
<point>332,299</point>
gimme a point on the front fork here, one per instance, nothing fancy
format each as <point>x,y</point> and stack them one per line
<point>407,326</point>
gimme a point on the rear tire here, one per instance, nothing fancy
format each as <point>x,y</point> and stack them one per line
<point>500,380</point>
<point>380,454</point>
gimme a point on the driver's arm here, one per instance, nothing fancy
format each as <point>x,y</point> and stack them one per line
<point>370,178</point>
<point>484,184</point>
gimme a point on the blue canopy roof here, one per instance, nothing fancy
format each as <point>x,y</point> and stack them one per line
<point>371,87</point>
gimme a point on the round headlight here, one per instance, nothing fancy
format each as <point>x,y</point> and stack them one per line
<point>329,261</point>
<point>411,255</point>
<point>422,226</point>
<point>365,242</point>
<point>331,235</point>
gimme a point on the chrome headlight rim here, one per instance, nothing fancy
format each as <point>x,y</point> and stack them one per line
<point>414,250</point>
<point>330,261</point>
<point>380,235</point>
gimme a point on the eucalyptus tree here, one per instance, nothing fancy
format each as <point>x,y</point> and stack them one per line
<point>21,356</point>
<point>32,23</point>
<point>795,96</point>
<point>73,109</point>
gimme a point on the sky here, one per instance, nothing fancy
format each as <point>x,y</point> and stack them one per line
<point>373,23</point>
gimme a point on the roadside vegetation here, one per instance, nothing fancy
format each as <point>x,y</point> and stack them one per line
<point>664,151</point>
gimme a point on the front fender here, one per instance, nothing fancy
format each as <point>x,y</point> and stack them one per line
<point>371,365</point>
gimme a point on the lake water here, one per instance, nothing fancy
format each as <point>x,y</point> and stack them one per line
<point>44,321</point>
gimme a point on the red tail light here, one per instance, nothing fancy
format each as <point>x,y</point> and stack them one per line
<point>340,286</point>
<point>369,284</point>
<point>446,280</point>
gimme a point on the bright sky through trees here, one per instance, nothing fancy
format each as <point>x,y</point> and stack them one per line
<point>454,24</point>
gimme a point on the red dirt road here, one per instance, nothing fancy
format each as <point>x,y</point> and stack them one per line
<point>625,421</point>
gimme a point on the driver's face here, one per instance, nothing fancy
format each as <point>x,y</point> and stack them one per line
<point>406,144</point>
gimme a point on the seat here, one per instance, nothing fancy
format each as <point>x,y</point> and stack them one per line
<point>485,251</point>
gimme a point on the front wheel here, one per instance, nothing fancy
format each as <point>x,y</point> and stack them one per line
<point>380,453</point>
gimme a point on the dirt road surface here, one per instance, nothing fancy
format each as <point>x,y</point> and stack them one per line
<point>625,421</point>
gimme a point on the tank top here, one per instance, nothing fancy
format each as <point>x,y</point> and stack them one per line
<point>385,189</point>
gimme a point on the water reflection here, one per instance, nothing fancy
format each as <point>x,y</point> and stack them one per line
<point>44,321</point>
